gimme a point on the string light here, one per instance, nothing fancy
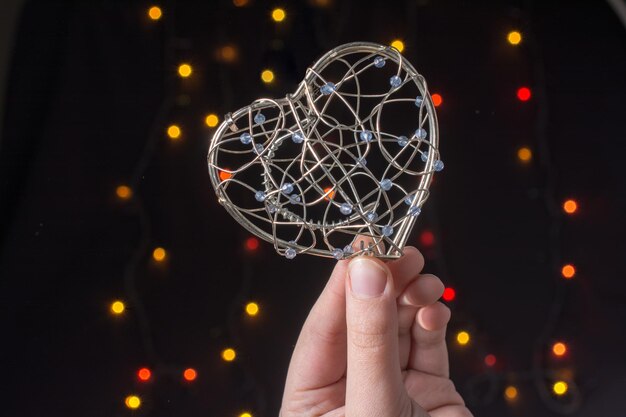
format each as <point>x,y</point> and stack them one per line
<point>267,76</point>
<point>570,206</point>
<point>560,387</point>
<point>398,44</point>
<point>252,243</point>
<point>437,99</point>
<point>174,132</point>
<point>252,309</point>
<point>133,402</point>
<point>124,192</point>
<point>117,307</point>
<point>144,374</point>
<point>427,238</point>
<point>463,338</point>
<point>159,254</point>
<point>524,154</point>
<point>229,354</point>
<point>568,271</point>
<point>514,37</point>
<point>155,13</point>
<point>490,360</point>
<point>559,349</point>
<point>184,70</point>
<point>211,120</point>
<point>449,294</point>
<point>190,374</point>
<point>510,393</point>
<point>278,14</point>
<point>523,93</point>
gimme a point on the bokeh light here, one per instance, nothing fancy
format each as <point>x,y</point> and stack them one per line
<point>144,374</point>
<point>560,387</point>
<point>278,14</point>
<point>329,193</point>
<point>159,254</point>
<point>510,393</point>
<point>133,402</point>
<point>224,175</point>
<point>524,93</point>
<point>463,338</point>
<point>240,3</point>
<point>427,238</point>
<point>252,309</point>
<point>449,294</point>
<point>267,76</point>
<point>398,44</point>
<point>514,37</point>
<point>190,374</point>
<point>524,154</point>
<point>570,206</point>
<point>229,354</point>
<point>117,307</point>
<point>155,13</point>
<point>252,243</point>
<point>245,414</point>
<point>227,53</point>
<point>437,99</point>
<point>124,192</point>
<point>211,120</point>
<point>559,349</point>
<point>184,70</point>
<point>568,271</point>
<point>490,360</point>
<point>174,132</point>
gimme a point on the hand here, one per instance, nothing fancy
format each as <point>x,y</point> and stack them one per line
<point>374,345</point>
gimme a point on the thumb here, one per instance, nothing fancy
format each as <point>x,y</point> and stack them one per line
<point>374,385</point>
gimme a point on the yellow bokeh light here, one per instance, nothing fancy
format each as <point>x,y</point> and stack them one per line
<point>252,309</point>
<point>174,132</point>
<point>524,154</point>
<point>278,14</point>
<point>229,354</point>
<point>514,37</point>
<point>398,44</point>
<point>510,393</point>
<point>159,254</point>
<point>267,76</point>
<point>211,120</point>
<point>155,13</point>
<point>560,387</point>
<point>245,414</point>
<point>133,402</point>
<point>463,338</point>
<point>184,70</point>
<point>117,307</point>
<point>124,192</point>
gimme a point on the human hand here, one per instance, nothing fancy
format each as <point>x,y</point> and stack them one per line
<point>374,345</point>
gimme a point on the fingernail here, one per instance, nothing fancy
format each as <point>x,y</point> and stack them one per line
<point>367,278</point>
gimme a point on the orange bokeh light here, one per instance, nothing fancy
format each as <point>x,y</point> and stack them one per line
<point>568,271</point>
<point>144,374</point>
<point>329,193</point>
<point>190,374</point>
<point>559,349</point>
<point>224,175</point>
<point>570,206</point>
<point>437,99</point>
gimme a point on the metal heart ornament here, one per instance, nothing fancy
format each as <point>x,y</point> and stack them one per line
<point>351,152</point>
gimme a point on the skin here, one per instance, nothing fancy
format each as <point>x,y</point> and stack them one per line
<point>376,356</point>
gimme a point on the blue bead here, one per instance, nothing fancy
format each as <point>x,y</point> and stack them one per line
<point>290,253</point>
<point>258,148</point>
<point>345,209</point>
<point>395,81</point>
<point>260,196</point>
<point>337,253</point>
<point>371,216</point>
<point>387,230</point>
<point>259,118</point>
<point>379,62</point>
<point>328,88</point>
<point>415,211</point>
<point>361,162</point>
<point>287,188</point>
<point>418,101</point>
<point>297,137</point>
<point>271,207</point>
<point>245,138</point>
<point>347,250</point>
<point>366,136</point>
<point>294,198</point>
<point>403,141</point>
<point>420,133</point>
<point>424,157</point>
<point>408,200</point>
<point>438,165</point>
<point>386,184</point>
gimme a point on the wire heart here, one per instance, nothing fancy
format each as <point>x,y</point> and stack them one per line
<point>351,152</point>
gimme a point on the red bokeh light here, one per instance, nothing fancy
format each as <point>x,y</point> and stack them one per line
<point>490,360</point>
<point>144,374</point>
<point>523,93</point>
<point>190,374</point>
<point>449,294</point>
<point>252,243</point>
<point>437,99</point>
<point>427,238</point>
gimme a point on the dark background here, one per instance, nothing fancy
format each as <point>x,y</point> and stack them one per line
<point>90,89</point>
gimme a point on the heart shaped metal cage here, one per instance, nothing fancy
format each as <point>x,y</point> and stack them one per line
<point>351,152</point>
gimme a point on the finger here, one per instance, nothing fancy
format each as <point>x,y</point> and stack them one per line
<point>451,410</point>
<point>319,357</point>
<point>429,353</point>
<point>406,317</point>
<point>431,392</point>
<point>374,385</point>
<point>406,268</point>
<point>424,290</point>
